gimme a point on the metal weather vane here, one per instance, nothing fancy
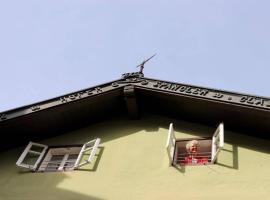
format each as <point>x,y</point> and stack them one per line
<point>142,64</point>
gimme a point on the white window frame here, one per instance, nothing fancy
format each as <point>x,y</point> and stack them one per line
<point>27,151</point>
<point>89,146</point>
<point>170,145</point>
<point>60,165</point>
<point>217,142</point>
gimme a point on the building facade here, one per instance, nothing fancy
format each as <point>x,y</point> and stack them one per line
<point>132,118</point>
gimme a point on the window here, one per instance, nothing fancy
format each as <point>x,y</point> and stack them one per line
<point>194,151</point>
<point>43,158</point>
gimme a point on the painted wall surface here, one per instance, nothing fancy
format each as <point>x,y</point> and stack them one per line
<point>132,163</point>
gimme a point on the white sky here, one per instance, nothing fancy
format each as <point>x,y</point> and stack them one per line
<point>52,47</point>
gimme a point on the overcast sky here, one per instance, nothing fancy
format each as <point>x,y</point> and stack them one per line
<point>52,47</point>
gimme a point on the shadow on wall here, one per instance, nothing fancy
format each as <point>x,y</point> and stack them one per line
<point>52,192</point>
<point>121,127</point>
<point>11,176</point>
<point>95,164</point>
<point>19,184</point>
<point>234,155</point>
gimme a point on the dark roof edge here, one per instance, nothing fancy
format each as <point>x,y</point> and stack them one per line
<point>222,96</point>
<point>210,88</point>
<point>137,79</point>
<point>57,97</point>
<point>66,98</point>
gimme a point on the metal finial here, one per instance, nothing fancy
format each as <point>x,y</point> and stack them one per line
<point>142,64</point>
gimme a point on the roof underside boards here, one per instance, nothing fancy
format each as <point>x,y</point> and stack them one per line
<point>62,118</point>
<point>238,118</point>
<point>133,95</point>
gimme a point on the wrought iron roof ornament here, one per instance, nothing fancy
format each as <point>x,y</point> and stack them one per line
<point>142,64</point>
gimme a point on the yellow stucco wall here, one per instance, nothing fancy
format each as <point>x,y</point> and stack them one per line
<point>133,164</point>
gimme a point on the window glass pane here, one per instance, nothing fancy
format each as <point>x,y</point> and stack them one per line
<point>54,163</point>
<point>37,148</point>
<point>193,152</point>
<point>71,161</point>
<point>73,156</point>
<point>30,159</point>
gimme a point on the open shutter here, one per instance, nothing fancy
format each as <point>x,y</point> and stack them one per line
<point>30,150</point>
<point>91,147</point>
<point>217,142</point>
<point>170,143</point>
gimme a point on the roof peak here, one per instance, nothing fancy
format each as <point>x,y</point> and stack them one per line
<point>132,75</point>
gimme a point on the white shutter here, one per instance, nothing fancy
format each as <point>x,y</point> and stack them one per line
<point>27,151</point>
<point>217,142</point>
<point>89,146</point>
<point>170,143</point>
